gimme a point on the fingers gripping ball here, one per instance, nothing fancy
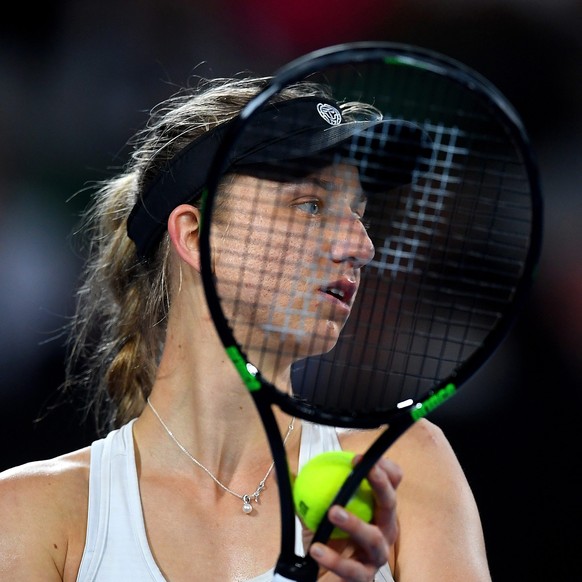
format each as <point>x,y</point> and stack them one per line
<point>317,484</point>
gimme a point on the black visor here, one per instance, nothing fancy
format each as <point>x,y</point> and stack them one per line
<point>282,141</point>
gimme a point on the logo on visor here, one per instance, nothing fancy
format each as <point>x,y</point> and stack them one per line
<point>329,113</point>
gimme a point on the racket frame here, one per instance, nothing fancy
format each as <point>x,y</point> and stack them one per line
<point>290,566</point>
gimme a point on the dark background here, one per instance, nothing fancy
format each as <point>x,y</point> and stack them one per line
<point>77,79</point>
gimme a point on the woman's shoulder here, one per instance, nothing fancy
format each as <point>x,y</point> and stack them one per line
<point>47,489</point>
<point>34,477</point>
<point>432,471</point>
<point>423,438</point>
<point>43,507</point>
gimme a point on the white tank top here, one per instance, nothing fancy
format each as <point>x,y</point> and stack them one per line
<point>116,546</point>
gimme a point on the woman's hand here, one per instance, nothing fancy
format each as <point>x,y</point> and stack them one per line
<point>358,558</point>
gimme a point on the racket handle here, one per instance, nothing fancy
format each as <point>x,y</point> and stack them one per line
<point>296,570</point>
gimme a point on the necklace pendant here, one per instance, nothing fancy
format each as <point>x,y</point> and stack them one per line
<point>247,507</point>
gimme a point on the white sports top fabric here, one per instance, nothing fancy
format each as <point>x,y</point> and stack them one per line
<point>116,547</point>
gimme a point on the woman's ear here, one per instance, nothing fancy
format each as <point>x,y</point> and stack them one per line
<point>184,230</point>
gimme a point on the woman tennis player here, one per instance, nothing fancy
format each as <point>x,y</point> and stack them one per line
<point>181,487</point>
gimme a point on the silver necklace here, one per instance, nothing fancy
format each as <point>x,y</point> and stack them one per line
<point>246,498</point>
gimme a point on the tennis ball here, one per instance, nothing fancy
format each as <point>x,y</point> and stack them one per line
<point>317,484</point>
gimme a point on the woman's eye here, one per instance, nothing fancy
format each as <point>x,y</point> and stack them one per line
<point>310,207</point>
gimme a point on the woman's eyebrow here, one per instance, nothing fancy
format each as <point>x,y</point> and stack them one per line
<point>331,185</point>
<point>327,185</point>
<point>317,181</point>
<point>312,181</point>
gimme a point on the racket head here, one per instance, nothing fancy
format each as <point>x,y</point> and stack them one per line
<point>440,167</point>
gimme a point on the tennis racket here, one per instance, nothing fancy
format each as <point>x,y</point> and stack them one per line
<point>381,228</point>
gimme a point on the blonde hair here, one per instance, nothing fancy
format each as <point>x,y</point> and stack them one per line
<point>117,333</point>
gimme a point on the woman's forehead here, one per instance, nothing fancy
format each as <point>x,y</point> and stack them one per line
<point>337,178</point>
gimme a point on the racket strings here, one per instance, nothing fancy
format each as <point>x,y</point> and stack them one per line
<point>440,318</point>
<point>450,246</point>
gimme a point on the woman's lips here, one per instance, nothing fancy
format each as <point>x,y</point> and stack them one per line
<point>342,290</point>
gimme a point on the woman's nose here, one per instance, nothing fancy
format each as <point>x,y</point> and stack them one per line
<point>350,243</point>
